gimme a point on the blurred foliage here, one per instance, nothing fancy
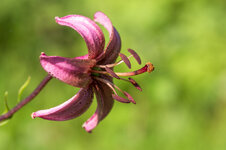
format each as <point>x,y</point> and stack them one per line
<point>183,103</point>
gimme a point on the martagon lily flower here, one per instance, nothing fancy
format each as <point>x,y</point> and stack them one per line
<point>92,73</point>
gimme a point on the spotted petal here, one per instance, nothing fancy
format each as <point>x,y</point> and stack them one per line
<point>105,104</point>
<point>114,45</point>
<point>75,72</point>
<point>70,109</point>
<point>88,29</point>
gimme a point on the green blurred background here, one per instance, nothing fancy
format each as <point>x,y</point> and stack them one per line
<point>183,103</point>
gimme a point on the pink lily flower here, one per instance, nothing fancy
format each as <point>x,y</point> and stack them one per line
<point>93,73</point>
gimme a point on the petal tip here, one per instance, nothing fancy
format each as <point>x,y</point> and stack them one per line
<point>42,53</point>
<point>91,123</point>
<point>57,18</point>
<point>33,115</point>
<point>87,129</point>
<point>98,13</point>
<point>134,102</point>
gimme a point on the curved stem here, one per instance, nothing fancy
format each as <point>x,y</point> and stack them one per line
<point>27,99</point>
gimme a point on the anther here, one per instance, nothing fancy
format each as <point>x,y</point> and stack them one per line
<point>120,99</point>
<point>135,55</point>
<point>108,83</point>
<point>113,65</point>
<point>115,95</point>
<point>111,72</point>
<point>125,59</point>
<point>129,97</point>
<point>135,84</point>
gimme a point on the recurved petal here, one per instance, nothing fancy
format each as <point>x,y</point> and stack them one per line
<point>88,29</point>
<point>82,57</point>
<point>70,109</point>
<point>104,105</point>
<point>75,72</point>
<point>114,45</point>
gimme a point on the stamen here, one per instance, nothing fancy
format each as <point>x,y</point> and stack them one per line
<point>100,72</point>
<point>111,72</point>
<point>135,84</point>
<point>112,65</point>
<point>120,99</point>
<point>125,59</point>
<point>135,55</point>
<point>101,56</point>
<point>108,83</point>
<point>129,97</point>
<point>115,96</point>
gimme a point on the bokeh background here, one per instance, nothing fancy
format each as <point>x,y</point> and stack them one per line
<point>183,103</point>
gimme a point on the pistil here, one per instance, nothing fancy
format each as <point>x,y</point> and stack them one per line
<point>147,68</point>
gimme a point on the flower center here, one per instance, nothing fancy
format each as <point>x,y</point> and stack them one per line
<point>97,70</point>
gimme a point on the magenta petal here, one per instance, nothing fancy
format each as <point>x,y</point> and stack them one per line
<point>70,109</point>
<point>105,104</point>
<point>75,72</point>
<point>82,57</point>
<point>114,45</point>
<point>92,122</point>
<point>88,29</point>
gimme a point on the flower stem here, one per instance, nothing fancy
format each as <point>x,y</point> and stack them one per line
<point>27,99</point>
